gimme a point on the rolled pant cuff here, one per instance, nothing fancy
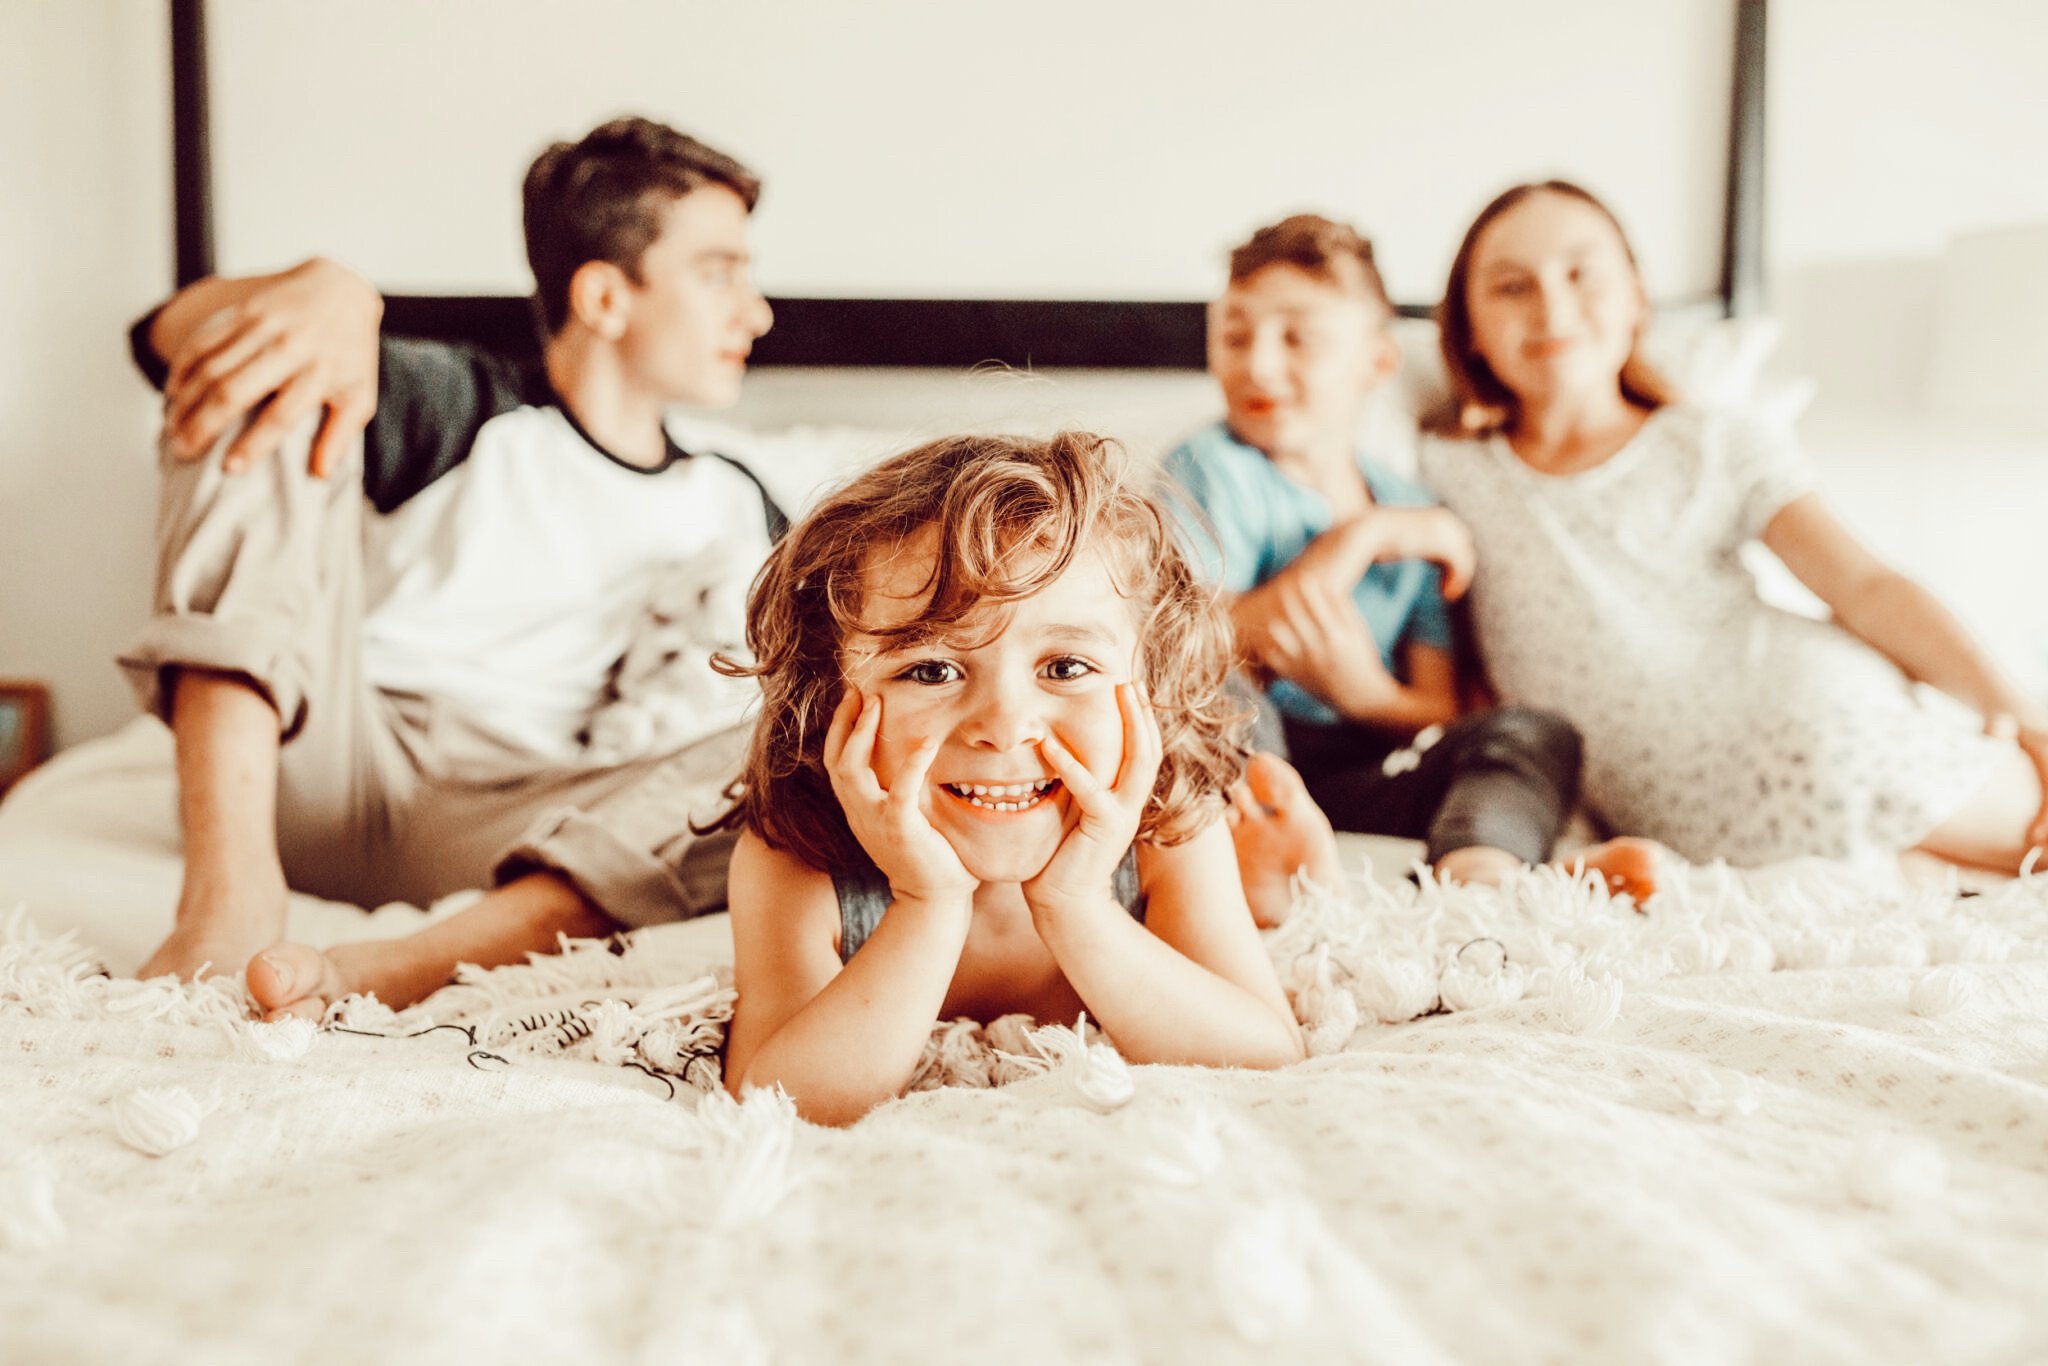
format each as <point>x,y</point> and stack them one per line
<point>628,884</point>
<point>176,642</point>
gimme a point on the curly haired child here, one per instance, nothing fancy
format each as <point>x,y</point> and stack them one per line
<point>989,777</point>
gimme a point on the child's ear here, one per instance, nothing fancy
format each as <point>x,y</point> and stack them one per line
<point>599,298</point>
<point>1382,359</point>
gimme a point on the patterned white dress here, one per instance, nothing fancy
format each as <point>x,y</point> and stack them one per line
<point>1721,725</point>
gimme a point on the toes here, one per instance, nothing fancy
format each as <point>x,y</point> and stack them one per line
<point>305,1008</point>
<point>284,974</point>
<point>1274,783</point>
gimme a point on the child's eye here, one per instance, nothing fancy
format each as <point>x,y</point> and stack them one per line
<point>931,672</point>
<point>1068,669</point>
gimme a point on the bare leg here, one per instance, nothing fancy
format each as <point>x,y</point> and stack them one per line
<point>1278,830</point>
<point>232,901</point>
<point>1989,832</point>
<point>523,916</point>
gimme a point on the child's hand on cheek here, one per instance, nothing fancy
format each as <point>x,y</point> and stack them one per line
<point>891,824</point>
<point>1080,870</point>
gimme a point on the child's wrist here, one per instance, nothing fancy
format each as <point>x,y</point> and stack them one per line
<point>936,901</point>
<point>1053,907</point>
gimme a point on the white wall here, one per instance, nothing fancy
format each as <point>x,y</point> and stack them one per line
<point>1895,126</point>
<point>84,245</point>
<point>921,148</point>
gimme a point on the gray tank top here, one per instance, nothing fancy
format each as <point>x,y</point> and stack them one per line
<point>864,895</point>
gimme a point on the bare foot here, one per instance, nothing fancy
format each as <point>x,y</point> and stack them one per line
<point>1631,867</point>
<point>221,924</point>
<point>1480,864</point>
<point>288,980</point>
<point>1278,830</point>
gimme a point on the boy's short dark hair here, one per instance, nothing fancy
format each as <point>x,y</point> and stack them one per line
<point>1323,247</point>
<point>601,199</point>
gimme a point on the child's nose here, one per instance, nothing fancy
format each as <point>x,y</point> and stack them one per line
<point>1267,361</point>
<point>1555,302</point>
<point>1004,719</point>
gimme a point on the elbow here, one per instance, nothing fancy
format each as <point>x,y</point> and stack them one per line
<point>1293,1048</point>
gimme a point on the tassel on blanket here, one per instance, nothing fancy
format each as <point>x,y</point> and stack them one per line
<point>1100,1077</point>
<point>158,1120</point>
<point>748,1144</point>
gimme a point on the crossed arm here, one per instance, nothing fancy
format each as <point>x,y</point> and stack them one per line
<point>1301,624</point>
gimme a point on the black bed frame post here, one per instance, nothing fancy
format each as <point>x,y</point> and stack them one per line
<point>191,142</point>
<point>1742,239</point>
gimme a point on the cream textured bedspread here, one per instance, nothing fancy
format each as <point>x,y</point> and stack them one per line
<point>1779,1118</point>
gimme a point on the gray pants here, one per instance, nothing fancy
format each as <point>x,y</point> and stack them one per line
<point>387,796</point>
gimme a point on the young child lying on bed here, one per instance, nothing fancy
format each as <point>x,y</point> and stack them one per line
<point>989,777</point>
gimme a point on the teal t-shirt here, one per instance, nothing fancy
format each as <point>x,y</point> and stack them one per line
<point>1259,520</point>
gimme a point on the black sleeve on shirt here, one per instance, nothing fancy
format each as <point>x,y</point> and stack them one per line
<point>771,512</point>
<point>432,400</point>
<point>154,368</point>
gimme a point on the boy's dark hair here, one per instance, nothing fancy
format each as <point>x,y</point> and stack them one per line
<point>601,199</point>
<point>1323,247</point>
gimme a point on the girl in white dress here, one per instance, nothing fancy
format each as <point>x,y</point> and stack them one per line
<point>1609,518</point>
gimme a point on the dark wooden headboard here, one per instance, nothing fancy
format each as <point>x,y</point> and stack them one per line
<point>954,333</point>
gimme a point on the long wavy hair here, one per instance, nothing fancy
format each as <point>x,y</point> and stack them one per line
<point>1480,405</point>
<point>1010,515</point>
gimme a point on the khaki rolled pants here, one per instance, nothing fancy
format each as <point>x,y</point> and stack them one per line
<point>388,796</point>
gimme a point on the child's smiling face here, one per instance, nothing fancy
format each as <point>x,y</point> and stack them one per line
<point>1554,300</point>
<point>1053,669</point>
<point>1296,356</point>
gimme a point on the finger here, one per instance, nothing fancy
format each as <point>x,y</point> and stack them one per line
<point>1086,787</point>
<point>843,717</point>
<point>1457,575</point>
<point>342,423</point>
<point>1284,647</point>
<point>907,795</point>
<point>197,428</point>
<point>854,772</point>
<point>224,342</point>
<point>1143,745</point>
<point>206,370</point>
<point>274,421</point>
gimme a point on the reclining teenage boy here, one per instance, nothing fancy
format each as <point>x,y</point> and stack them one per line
<point>376,679</point>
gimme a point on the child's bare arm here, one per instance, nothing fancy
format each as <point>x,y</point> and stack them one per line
<point>1193,983</point>
<point>1903,621</point>
<point>839,1040</point>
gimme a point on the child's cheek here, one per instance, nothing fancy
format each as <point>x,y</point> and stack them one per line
<point>1094,730</point>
